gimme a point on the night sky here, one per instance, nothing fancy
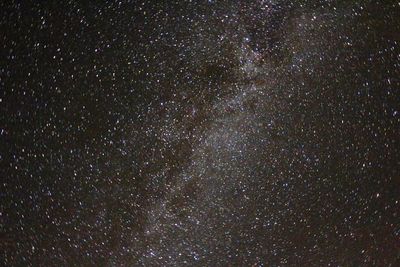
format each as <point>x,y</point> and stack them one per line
<point>200,133</point>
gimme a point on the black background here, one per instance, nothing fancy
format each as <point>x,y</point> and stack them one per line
<point>131,133</point>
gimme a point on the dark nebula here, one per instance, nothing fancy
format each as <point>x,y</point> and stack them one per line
<point>200,133</point>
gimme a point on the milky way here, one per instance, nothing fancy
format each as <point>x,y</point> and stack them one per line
<point>200,133</point>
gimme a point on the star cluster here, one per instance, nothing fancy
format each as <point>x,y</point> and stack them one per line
<point>200,133</point>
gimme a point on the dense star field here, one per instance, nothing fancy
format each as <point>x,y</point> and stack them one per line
<point>200,133</point>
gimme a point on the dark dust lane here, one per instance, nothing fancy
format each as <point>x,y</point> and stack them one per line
<point>200,133</point>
